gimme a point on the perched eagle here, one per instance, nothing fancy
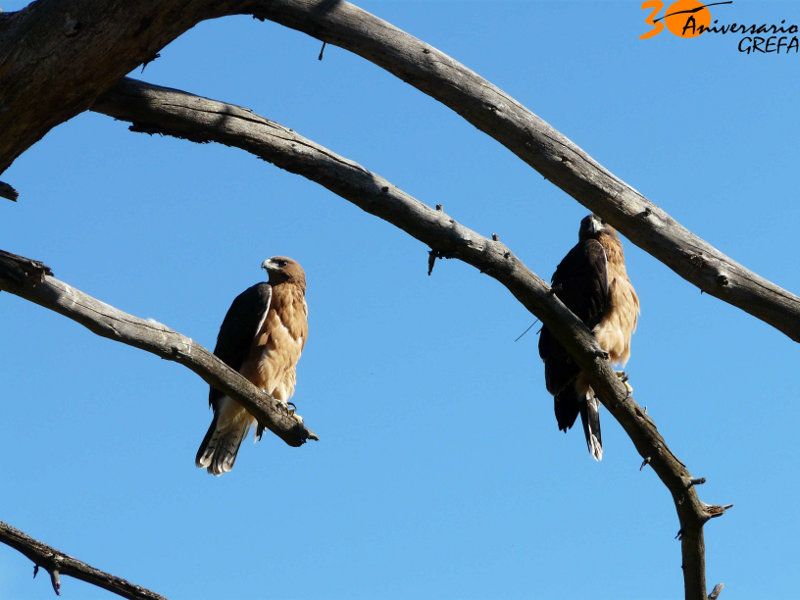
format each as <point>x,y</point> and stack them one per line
<point>592,282</point>
<point>262,337</point>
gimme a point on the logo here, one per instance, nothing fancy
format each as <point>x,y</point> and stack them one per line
<point>692,18</point>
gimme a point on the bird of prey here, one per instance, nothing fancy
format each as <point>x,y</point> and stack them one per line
<point>261,337</point>
<point>592,282</point>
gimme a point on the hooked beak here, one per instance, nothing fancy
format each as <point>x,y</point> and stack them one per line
<point>595,224</point>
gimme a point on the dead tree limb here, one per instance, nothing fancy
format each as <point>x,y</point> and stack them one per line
<point>32,280</point>
<point>66,43</point>
<point>155,109</point>
<point>71,39</point>
<point>57,563</point>
<point>541,146</point>
<point>23,269</point>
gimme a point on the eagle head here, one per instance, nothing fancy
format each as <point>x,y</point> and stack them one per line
<point>282,269</point>
<point>592,226</point>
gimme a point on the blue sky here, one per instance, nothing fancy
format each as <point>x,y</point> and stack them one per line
<point>440,472</point>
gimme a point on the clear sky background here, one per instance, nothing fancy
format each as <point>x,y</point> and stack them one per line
<point>440,472</point>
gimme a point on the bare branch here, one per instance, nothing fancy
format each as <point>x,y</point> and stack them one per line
<point>23,269</point>
<point>55,563</point>
<point>74,67</point>
<point>32,280</point>
<point>156,109</point>
<point>542,147</point>
<point>716,591</point>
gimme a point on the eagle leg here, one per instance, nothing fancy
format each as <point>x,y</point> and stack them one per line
<point>623,376</point>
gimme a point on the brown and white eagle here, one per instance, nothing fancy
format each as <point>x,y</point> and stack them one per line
<point>261,337</point>
<point>592,282</point>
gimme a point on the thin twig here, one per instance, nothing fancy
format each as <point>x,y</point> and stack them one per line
<point>526,331</point>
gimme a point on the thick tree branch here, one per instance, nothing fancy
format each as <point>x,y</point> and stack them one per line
<point>64,53</point>
<point>57,52</point>
<point>32,280</point>
<point>541,146</point>
<point>57,563</point>
<point>155,109</point>
<point>22,269</point>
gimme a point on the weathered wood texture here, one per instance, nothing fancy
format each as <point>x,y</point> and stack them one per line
<point>544,148</point>
<point>58,51</point>
<point>22,278</point>
<point>22,269</point>
<point>57,563</point>
<point>66,52</point>
<point>155,109</point>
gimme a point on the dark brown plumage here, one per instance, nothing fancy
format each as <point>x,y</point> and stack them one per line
<point>592,282</point>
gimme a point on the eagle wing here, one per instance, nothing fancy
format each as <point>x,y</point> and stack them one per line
<point>581,283</point>
<point>238,331</point>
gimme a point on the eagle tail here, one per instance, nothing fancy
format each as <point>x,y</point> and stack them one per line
<point>590,417</point>
<point>219,448</point>
<point>567,406</point>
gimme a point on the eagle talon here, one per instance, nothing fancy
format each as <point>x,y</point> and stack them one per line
<point>623,377</point>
